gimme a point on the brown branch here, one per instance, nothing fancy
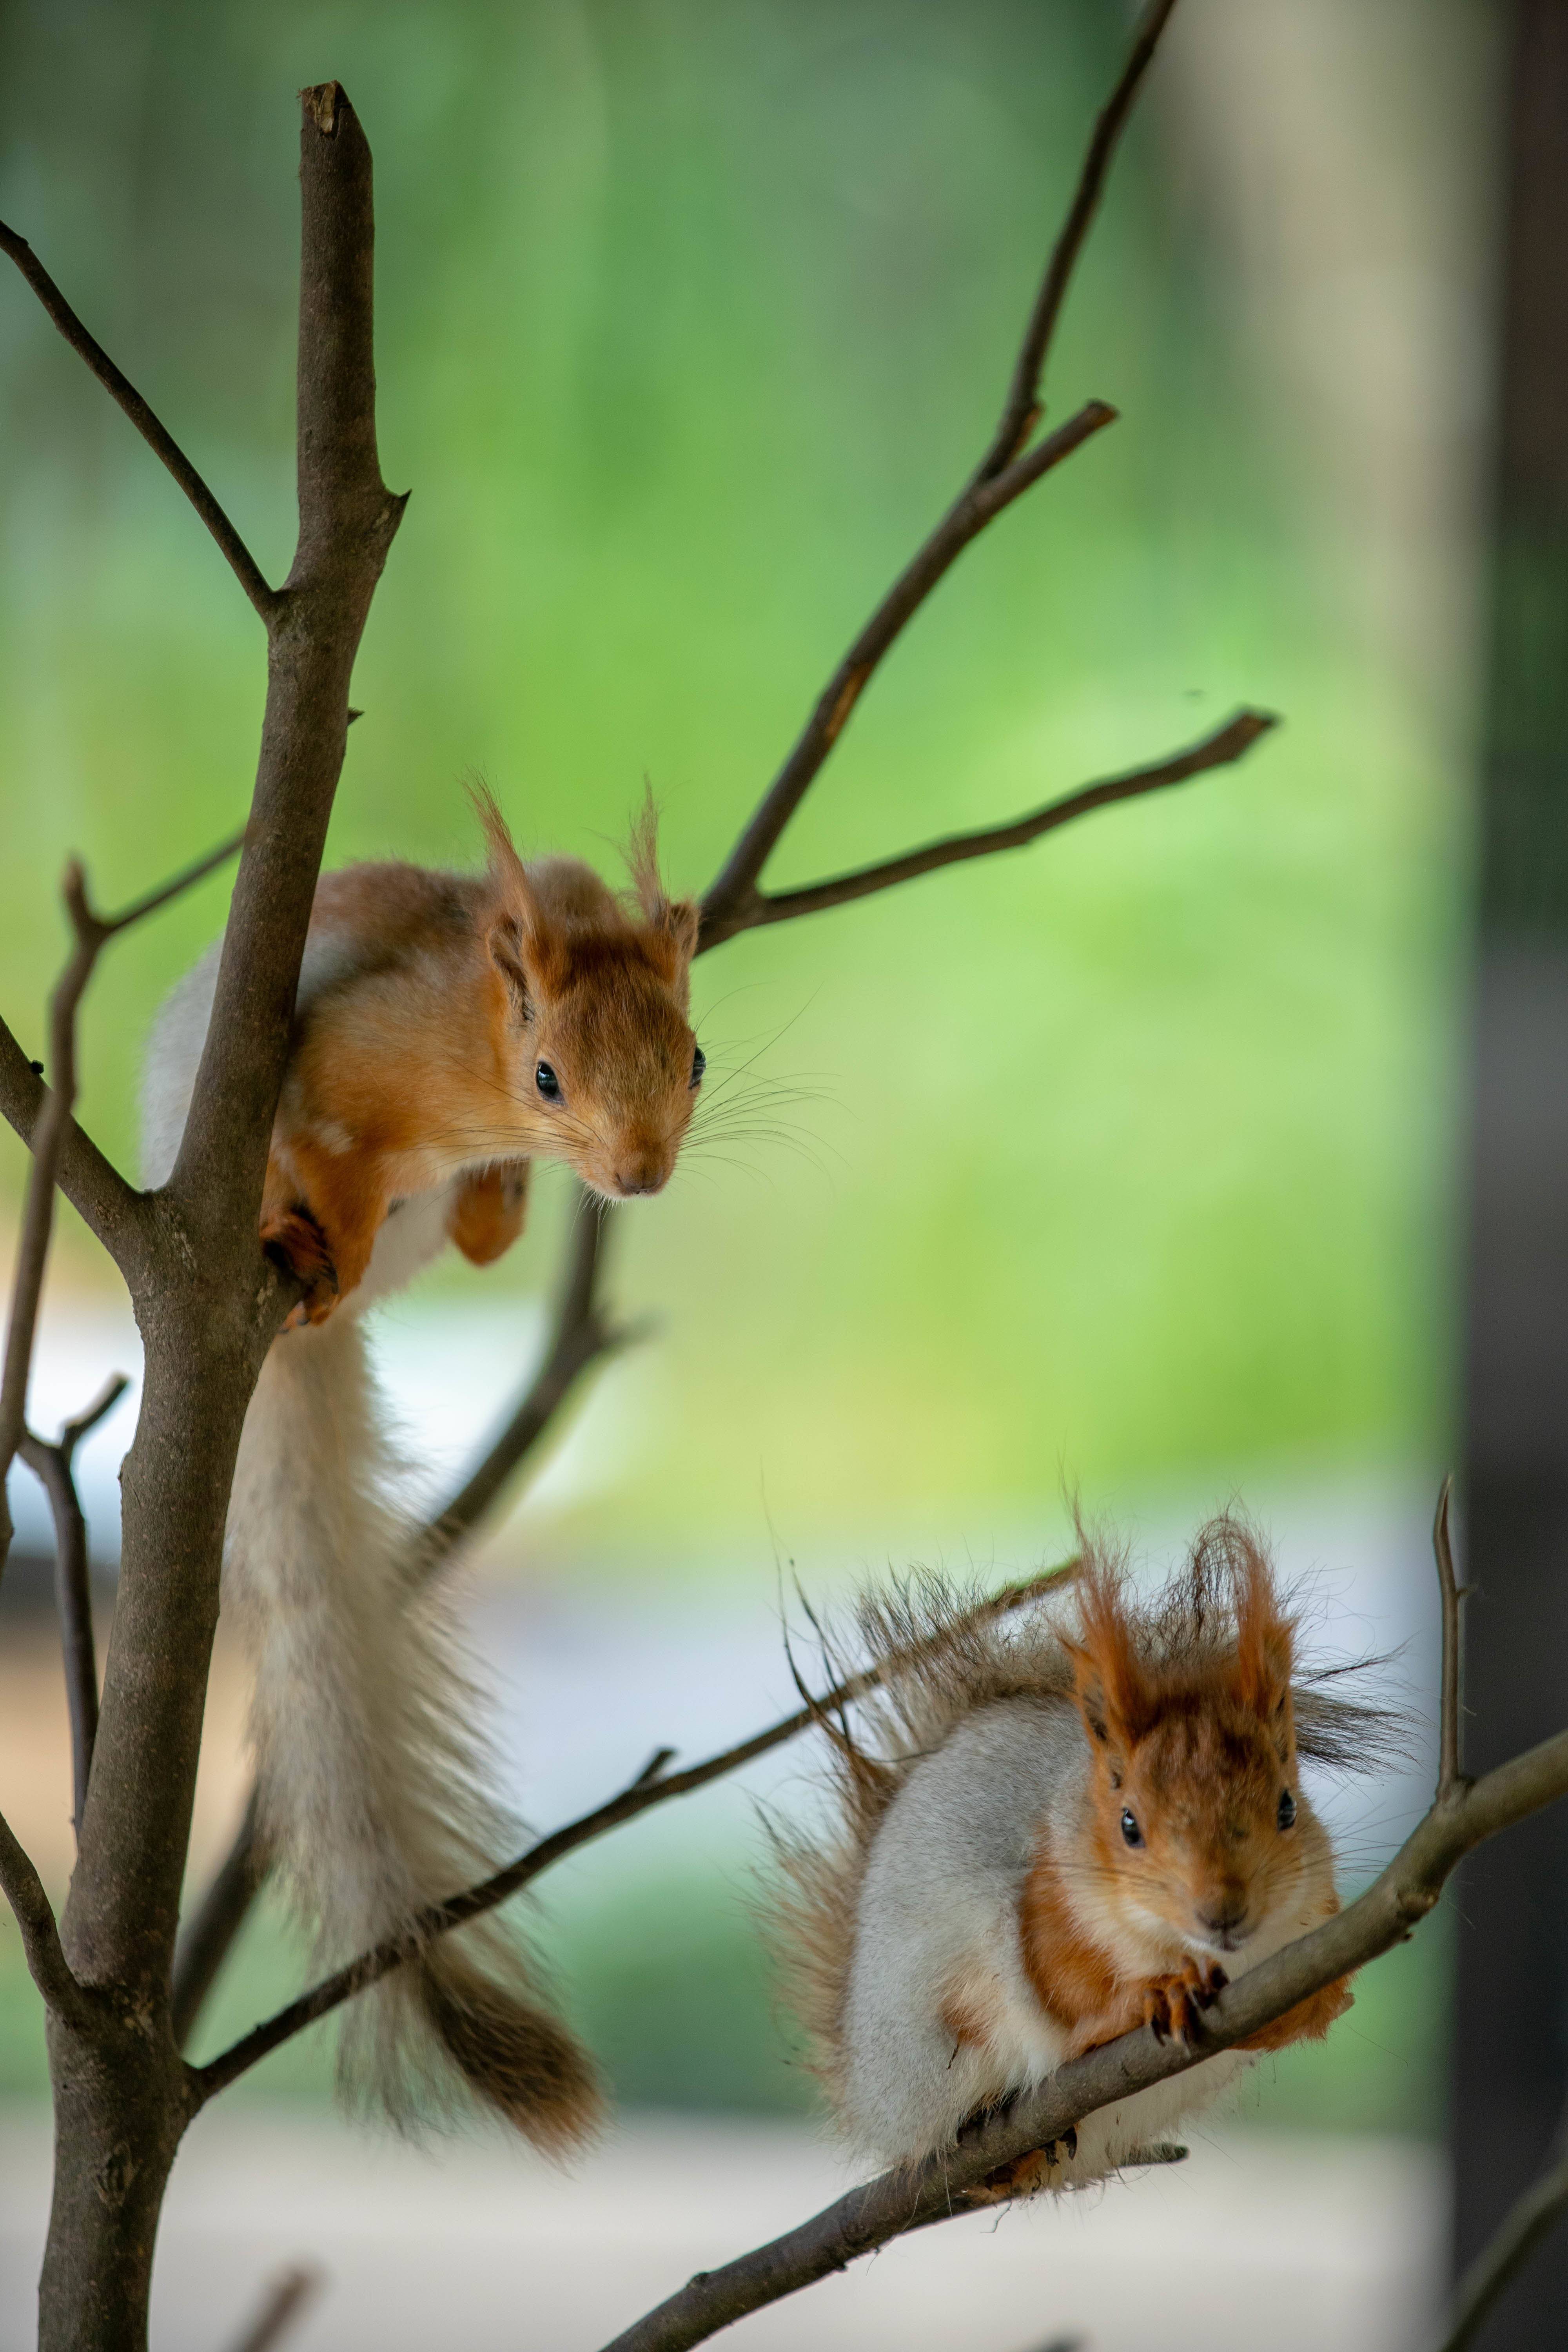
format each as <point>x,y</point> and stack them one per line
<point>729,905</point>
<point>50,1130</point>
<point>208,1936</point>
<point>1528,2221</point>
<point>284,2302</point>
<point>652,1786</point>
<point>1022,410</point>
<point>1228,743</point>
<point>46,1963</point>
<point>1450,1771</point>
<point>1462,1815</point>
<point>55,1468</point>
<point>580,1336</point>
<point>238,556</point>
<point>1003,473</point>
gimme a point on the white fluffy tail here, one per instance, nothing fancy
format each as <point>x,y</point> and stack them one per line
<point>368,1765</point>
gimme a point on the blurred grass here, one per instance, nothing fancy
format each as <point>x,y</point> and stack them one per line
<point>1118,1158</point>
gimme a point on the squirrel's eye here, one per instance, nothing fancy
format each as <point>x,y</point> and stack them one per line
<point>545,1079</point>
<point>1129,1828</point>
<point>699,1063</point>
<point>1287,1809</point>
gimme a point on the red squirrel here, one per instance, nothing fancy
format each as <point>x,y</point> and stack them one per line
<point>1083,1819</point>
<point>448,1029</point>
<point>459,1026</point>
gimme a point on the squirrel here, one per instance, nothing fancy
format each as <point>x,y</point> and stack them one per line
<point>448,1029</point>
<point>1083,1820</point>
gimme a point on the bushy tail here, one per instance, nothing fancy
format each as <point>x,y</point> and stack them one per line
<point>368,1765</point>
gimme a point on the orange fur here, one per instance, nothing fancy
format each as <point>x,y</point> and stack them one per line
<point>417,1047</point>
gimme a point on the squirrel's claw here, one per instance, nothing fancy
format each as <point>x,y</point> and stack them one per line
<point>293,1239</point>
<point>1172,2004</point>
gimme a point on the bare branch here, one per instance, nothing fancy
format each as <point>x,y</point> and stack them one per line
<point>348,519</point>
<point>55,1468</point>
<point>285,2301</point>
<point>24,1890</point>
<point>1022,412</point>
<point>726,908</point>
<point>580,1337</point>
<point>111,1208</point>
<point>92,932</point>
<point>1228,743</point>
<point>651,1786</point>
<point>1450,1772</point>
<point>1003,474</point>
<point>1523,2227</point>
<point>238,556</point>
<point>208,1936</point>
<point>913,2196</point>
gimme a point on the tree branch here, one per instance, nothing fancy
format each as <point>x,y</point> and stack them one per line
<point>1003,474</point>
<point>1450,1772</point>
<point>55,1468</point>
<point>46,1963</point>
<point>347,521</point>
<point>284,2302</point>
<point>1462,1815</point>
<point>1230,742</point>
<point>208,1936</point>
<point>1523,2227</point>
<point>237,555</point>
<point>580,1337</point>
<point>653,1786</point>
<point>49,1133</point>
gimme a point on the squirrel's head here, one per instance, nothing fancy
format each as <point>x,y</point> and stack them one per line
<point>1199,1823</point>
<point>603,1062</point>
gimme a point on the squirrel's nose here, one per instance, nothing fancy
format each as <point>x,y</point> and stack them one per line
<point>640,1176</point>
<point>1223,1913</point>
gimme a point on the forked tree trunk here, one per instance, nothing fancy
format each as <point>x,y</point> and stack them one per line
<point>122,2093</point>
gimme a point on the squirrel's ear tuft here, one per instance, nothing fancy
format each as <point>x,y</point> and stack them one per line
<point>1265,1631</point>
<point>675,921</point>
<point>522,941</point>
<point>1112,1687</point>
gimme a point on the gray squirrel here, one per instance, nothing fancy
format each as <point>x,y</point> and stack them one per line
<point>1081,1815</point>
<point>448,1029</point>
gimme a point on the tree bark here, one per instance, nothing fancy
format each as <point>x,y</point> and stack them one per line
<point>208,1308</point>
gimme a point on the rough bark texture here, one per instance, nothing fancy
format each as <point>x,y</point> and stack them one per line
<point>208,1306</point>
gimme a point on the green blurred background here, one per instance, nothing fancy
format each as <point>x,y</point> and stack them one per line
<point>1123,1162</point>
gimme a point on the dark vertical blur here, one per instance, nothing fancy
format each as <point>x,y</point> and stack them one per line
<point>1511,2066</point>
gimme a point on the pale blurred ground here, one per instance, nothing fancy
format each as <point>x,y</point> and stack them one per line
<point>1303,2245</point>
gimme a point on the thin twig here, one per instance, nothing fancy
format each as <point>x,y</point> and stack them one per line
<point>580,1336</point>
<point>91,933</point>
<point>1228,743</point>
<point>55,1468</point>
<point>649,1789</point>
<point>1003,474</point>
<point>283,2303</point>
<point>46,1963</point>
<point>1451,1770</point>
<point>238,556</point>
<point>1528,2221</point>
<point>208,1936</point>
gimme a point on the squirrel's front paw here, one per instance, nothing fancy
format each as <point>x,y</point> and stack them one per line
<point>1172,2004</point>
<point>294,1241</point>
